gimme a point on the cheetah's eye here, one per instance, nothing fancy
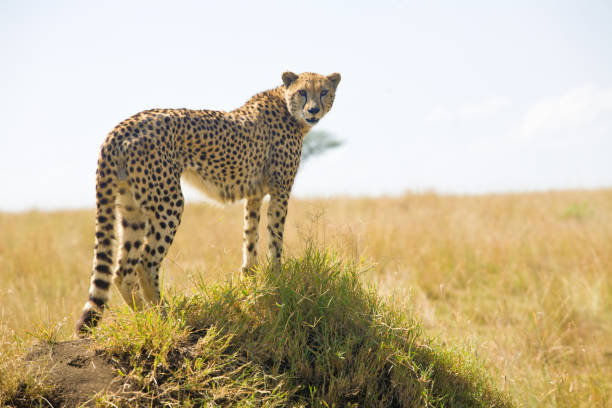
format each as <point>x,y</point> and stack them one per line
<point>324,92</point>
<point>302,92</point>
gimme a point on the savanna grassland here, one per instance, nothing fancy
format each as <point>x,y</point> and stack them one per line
<point>521,281</point>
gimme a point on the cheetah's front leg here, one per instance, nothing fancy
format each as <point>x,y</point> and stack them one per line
<point>252,208</point>
<point>277,212</point>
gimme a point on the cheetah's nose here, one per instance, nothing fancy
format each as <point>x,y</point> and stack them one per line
<point>314,110</point>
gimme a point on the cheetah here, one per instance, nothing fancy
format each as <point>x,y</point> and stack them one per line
<point>247,153</point>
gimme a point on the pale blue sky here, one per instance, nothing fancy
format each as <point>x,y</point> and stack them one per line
<point>455,97</point>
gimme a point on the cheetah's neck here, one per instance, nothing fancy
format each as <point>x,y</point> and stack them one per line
<point>272,100</point>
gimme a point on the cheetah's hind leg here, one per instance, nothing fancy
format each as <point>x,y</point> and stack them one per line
<point>133,225</point>
<point>162,227</point>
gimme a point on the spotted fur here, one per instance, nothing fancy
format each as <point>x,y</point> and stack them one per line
<point>243,154</point>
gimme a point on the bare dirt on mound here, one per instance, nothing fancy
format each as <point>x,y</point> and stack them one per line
<point>74,371</point>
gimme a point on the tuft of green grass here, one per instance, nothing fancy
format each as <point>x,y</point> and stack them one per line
<point>578,211</point>
<point>306,334</point>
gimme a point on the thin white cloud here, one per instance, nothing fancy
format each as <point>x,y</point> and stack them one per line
<point>566,115</point>
<point>470,111</point>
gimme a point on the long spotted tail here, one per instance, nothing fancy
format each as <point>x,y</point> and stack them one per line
<point>104,249</point>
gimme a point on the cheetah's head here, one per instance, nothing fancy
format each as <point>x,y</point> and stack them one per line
<point>309,96</point>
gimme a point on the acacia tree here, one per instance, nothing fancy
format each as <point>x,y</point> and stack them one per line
<point>318,142</point>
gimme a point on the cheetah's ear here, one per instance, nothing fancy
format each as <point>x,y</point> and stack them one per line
<point>288,78</point>
<point>334,78</point>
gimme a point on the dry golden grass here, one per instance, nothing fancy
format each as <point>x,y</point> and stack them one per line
<point>522,280</point>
